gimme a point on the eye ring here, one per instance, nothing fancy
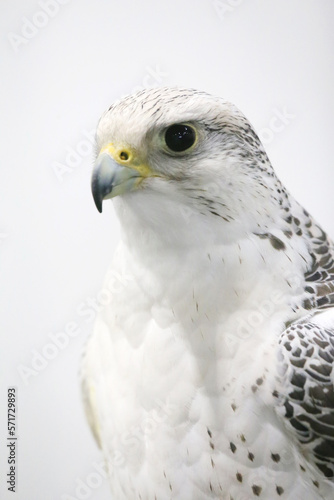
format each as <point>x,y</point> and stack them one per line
<point>180,137</point>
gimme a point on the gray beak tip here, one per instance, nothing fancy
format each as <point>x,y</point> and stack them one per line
<point>99,207</point>
<point>111,179</point>
<point>97,195</point>
<point>98,201</point>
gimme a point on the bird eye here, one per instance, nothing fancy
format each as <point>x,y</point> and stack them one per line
<point>180,137</point>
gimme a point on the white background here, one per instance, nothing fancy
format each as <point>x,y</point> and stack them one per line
<point>59,72</point>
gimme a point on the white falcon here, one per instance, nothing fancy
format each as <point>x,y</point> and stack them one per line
<point>210,371</point>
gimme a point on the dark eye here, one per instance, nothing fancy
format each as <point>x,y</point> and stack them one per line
<point>180,137</point>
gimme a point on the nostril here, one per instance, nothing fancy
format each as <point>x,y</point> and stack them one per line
<point>124,155</point>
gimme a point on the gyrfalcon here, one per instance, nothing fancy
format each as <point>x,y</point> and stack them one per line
<point>210,371</point>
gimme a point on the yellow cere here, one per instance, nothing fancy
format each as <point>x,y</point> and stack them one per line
<point>124,156</point>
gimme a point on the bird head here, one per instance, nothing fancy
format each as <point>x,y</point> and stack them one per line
<point>187,157</point>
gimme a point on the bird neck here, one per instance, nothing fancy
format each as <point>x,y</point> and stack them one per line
<point>216,281</point>
<point>198,268</point>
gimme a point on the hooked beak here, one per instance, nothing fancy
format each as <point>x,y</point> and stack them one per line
<point>111,179</point>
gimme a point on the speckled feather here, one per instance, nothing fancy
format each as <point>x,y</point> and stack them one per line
<point>210,371</point>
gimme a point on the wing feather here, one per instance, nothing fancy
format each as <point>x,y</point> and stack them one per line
<point>306,394</point>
